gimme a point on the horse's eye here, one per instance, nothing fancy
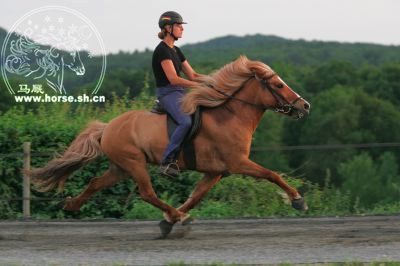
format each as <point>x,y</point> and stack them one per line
<point>280,86</point>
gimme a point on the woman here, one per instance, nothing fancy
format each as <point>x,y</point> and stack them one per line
<point>168,62</point>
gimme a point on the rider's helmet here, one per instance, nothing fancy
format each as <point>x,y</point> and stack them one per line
<point>170,18</point>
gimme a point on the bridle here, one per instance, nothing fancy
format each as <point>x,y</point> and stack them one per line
<point>283,105</point>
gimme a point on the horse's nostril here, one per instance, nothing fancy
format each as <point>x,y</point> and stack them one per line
<point>306,106</point>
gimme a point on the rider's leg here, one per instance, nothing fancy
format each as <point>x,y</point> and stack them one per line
<point>171,104</point>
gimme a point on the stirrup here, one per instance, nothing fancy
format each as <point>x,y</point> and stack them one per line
<point>170,170</point>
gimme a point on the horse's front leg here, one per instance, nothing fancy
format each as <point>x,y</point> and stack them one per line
<point>250,168</point>
<point>201,189</point>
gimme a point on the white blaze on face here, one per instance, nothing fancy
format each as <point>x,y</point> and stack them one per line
<point>288,87</point>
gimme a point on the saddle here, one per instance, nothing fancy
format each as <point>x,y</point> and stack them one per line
<point>189,154</point>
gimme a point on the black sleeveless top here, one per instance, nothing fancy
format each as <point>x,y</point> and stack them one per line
<point>163,52</point>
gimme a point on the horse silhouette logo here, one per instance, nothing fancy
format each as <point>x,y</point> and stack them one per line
<point>53,45</point>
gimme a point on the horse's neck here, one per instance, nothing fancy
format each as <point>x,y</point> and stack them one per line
<point>234,114</point>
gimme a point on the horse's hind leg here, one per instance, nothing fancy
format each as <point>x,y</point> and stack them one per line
<point>202,187</point>
<point>112,176</point>
<point>136,167</point>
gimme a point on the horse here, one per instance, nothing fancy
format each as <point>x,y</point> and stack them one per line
<point>233,100</point>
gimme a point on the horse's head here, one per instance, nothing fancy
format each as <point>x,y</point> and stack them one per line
<point>266,90</point>
<point>274,93</point>
<point>73,61</point>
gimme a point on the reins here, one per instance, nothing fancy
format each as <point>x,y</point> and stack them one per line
<point>232,97</point>
<point>283,105</point>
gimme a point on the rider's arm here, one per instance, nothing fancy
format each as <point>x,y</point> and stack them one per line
<point>189,71</point>
<point>173,78</point>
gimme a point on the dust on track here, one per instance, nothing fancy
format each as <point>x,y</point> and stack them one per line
<point>244,241</point>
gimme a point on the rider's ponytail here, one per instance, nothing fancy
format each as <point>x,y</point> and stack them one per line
<point>162,34</point>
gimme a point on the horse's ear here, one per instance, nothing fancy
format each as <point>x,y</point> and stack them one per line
<point>257,68</point>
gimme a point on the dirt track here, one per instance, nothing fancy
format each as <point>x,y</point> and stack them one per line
<point>255,241</point>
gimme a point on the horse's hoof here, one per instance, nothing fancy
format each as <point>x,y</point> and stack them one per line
<point>166,228</point>
<point>299,204</point>
<point>63,204</point>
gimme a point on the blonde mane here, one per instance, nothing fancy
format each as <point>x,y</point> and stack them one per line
<point>228,79</point>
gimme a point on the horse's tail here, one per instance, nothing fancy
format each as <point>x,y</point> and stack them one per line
<point>85,148</point>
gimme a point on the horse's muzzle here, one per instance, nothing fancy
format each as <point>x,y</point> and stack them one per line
<point>301,109</point>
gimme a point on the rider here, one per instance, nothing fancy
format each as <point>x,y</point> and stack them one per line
<point>168,62</point>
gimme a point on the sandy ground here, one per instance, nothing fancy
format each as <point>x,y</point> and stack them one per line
<point>245,241</point>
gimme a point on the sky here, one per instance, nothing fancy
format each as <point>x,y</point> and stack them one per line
<point>133,25</point>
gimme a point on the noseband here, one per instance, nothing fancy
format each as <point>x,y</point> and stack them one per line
<point>283,105</point>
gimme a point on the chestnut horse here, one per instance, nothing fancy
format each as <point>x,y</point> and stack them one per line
<point>234,99</point>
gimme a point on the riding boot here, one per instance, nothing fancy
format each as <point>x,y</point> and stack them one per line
<point>169,167</point>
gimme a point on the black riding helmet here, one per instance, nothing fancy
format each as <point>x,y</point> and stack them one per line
<point>170,18</point>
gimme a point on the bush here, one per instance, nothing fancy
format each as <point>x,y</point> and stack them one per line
<point>371,182</point>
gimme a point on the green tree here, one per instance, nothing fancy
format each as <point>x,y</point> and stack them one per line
<point>371,182</point>
<point>383,81</point>
<point>270,133</point>
<point>334,120</point>
<point>341,115</point>
<point>331,74</point>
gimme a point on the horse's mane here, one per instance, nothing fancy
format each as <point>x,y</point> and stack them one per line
<point>227,79</point>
